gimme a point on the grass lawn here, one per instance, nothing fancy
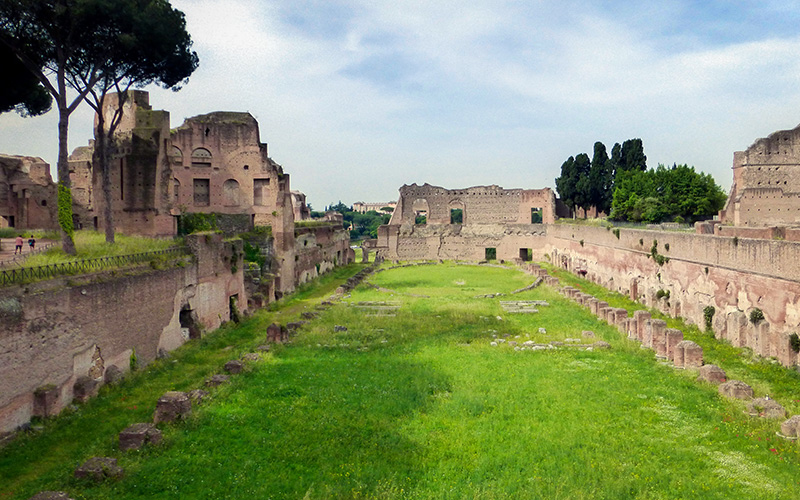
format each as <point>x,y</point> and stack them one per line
<point>420,405</point>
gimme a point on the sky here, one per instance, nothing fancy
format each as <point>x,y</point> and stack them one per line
<point>356,98</point>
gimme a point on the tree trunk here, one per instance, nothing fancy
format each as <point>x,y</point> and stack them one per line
<point>64,199</point>
<point>105,171</point>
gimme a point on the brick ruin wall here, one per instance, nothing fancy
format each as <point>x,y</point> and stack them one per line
<point>320,249</point>
<point>57,331</point>
<point>480,204</point>
<point>766,183</point>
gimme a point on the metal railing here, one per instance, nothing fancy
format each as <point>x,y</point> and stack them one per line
<point>84,266</point>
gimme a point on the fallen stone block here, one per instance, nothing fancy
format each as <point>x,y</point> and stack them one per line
<point>50,495</point>
<point>85,388</point>
<point>587,334</point>
<point>263,348</point>
<point>172,406</point>
<point>767,408</point>
<point>791,427</point>
<point>198,396</point>
<point>234,366</point>
<point>99,469</point>
<point>113,374</point>
<point>601,344</point>
<point>137,435</point>
<point>45,401</point>
<point>712,373</point>
<point>736,389</point>
<point>216,380</point>
<point>339,328</point>
<point>251,356</point>
<point>274,333</point>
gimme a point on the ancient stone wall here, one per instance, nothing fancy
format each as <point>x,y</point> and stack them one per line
<point>479,205</point>
<point>57,331</point>
<point>319,249</point>
<point>766,182</point>
<point>735,276</point>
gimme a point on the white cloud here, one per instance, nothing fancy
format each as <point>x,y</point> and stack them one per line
<point>361,98</point>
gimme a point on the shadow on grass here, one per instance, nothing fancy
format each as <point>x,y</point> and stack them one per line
<point>326,426</point>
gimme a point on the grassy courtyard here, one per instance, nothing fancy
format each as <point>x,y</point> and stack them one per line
<point>417,403</point>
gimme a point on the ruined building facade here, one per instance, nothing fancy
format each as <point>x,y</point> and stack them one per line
<point>212,163</point>
<point>493,222</point>
<point>27,193</point>
<point>766,183</point>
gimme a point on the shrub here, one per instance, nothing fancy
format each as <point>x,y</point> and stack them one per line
<point>679,219</point>
<point>134,361</point>
<point>666,247</point>
<point>736,241</point>
<point>616,232</point>
<point>581,242</point>
<point>708,316</point>
<point>794,342</point>
<point>756,315</point>
<point>662,294</point>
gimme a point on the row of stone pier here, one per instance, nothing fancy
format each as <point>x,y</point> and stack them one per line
<point>668,343</point>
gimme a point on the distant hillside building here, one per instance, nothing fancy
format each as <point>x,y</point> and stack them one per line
<point>363,208</point>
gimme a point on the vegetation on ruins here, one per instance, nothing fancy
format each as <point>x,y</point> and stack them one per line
<point>92,245</point>
<point>420,405</point>
<point>708,316</point>
<point>663,193</point>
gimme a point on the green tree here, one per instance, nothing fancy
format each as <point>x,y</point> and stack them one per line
<point>65,40</point>
<point>151,46</point>
<point>20,90</point>
<point>601,179</point>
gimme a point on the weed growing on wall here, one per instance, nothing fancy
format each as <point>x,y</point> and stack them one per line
<point>794,342</point>
<point>756,315</point>
<point>708,316</point>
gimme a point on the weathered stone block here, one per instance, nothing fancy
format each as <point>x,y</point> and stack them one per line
<point>234,366</point>
<point>631,329</point>
<point>712,373</point>
<point>45,401</point>
<point>767,408</point>
<point>688,354</point>
<point>587,334</point>
<point>50,495</point>
<point>274,333</point>
<point>736,325</point>
<point>791,427</point>
<point>641,318</point>
<point>172,406</point>
<point>113,374</point>
<point>601,344</point>
<point>658,336</point>
<point>672,338</point>
<point>621,319</point>
<point>736,389</point>
<point>251,356</point>
<point>99,469</point>
<point>216,380</point>
<point>198,396</point>
<point>85,388</point>
<point>263,348</point>
<point>135,436</point>
<point>592,303</point>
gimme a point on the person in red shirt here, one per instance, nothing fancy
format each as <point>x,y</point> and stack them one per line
<point>18,244</point>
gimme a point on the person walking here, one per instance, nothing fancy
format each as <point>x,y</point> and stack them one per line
<point>18,245</point>
<point>31,243</point>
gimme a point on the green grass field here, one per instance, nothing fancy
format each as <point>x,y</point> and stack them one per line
<point>420,405</point>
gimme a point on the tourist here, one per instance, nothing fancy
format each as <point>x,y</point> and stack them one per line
<point>18,243</point>
<point>31,243</point>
